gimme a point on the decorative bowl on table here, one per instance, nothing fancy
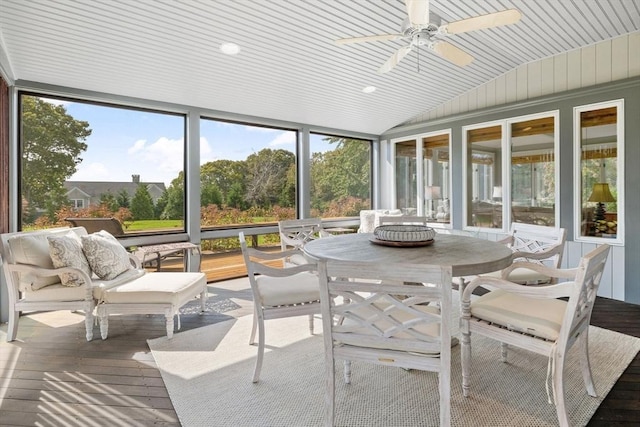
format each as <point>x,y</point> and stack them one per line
<point>403,235</point>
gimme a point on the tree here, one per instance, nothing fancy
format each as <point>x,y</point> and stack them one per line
<point>235,196</point>
<point>174,208</point>
<point>52,142</point>
<point>340,173</point>
<point>109,200</point>
<point>142,204</point>
<point>223,173</point>
<point>210,195</point>
<point>123,198</point>
<point>267,176</point>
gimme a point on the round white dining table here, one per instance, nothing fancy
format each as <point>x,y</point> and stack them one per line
<point>466,256</point>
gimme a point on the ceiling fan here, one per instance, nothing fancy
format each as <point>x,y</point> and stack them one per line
<point>421,31</point>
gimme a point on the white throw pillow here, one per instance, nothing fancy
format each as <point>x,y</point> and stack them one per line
<point>107,257</point>
<point>66,251</point>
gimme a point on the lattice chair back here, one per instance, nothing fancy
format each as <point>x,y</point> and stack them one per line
<point>528,239</point>
<point>403,220</point>
<point>295,233</point>
<point>386,323</point>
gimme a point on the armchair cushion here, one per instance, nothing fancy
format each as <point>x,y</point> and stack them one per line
<point>520,313</point>
<point>523,276</point>
<point>106,256</point>
<point>66,251</point>
<point>277,291</point>
<point>33,249</point>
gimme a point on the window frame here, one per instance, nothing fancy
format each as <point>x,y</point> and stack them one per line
<point>505,164</point>
<point>418,139</point>
<point>577,172</point>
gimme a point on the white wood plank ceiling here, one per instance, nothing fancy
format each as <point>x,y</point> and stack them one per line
<point>288,67</point>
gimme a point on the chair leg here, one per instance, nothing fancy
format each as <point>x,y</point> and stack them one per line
<point>12,330</point>
<point>585,364</point>
<point>254,326</point>
<point>504,347</point>
<point>330,396</point>
<point>558,389</point>
<point>169,322</point>
<point>203,301</point>
<point>465,356</point>
<point>88,323</point>
<point>258,368</point>
<point>104,325</point>
<point>347,371</point>
<point>311,324</point>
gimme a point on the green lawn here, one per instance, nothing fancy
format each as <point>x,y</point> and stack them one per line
<point>153,224</point>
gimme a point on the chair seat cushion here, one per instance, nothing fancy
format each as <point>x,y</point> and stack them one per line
<point>56,292</point>
<point>299,288</point>
<point>154,288</point>
<point>523,276</point>
<point>538,317</point>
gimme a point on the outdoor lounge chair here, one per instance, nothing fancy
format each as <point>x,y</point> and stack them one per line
<point>69,269</point>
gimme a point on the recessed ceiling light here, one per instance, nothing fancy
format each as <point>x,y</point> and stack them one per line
<point>369,89</point>
<point>229,48</point>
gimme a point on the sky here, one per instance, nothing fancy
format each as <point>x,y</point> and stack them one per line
<point>125,142</point>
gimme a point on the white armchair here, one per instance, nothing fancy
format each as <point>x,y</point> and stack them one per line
<point>534,319</point>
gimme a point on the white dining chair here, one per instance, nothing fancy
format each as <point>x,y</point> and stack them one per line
<point>535,319</point>
<point>532,243</point>
<point>386,323</point>
<point>403,220</point>
<point>295,233</point>
<point>278,292</point>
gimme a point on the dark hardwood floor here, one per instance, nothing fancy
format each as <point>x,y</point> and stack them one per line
<point>622,404</point>
<point>51,376</point>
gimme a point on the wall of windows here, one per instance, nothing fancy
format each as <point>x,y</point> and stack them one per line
<point>525,147</point>
<point>82,159</point>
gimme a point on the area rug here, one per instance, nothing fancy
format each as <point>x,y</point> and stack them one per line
<point>208,371</point>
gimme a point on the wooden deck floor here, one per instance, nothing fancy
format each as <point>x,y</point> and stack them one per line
<point>51,376</point>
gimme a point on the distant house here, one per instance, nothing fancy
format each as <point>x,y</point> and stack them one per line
<point>87,193</point>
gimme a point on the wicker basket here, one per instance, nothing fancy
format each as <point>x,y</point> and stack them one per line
<point>404,233</point>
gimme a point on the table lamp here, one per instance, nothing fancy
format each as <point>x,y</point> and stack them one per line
<point>601,195</point>
<point>431,192</point>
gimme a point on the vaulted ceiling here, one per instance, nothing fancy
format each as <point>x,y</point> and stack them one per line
<point>289,67</point>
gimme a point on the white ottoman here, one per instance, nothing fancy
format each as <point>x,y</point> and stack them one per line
<point>153,293</point>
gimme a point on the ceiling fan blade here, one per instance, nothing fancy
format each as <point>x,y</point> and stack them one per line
<point>394,59</point>
<point>381,37</point>
<point>452,53</point>
<point>418,11</point>
<point>506,17</point>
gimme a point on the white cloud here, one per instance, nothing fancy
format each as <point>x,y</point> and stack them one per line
<point>285,138</point>
<point>206,153</point>
<point>166,155</point>
<point>137,146</point>
<point>91,172</point>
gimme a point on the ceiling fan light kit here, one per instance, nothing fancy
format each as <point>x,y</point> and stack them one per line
<point>420,29</point>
